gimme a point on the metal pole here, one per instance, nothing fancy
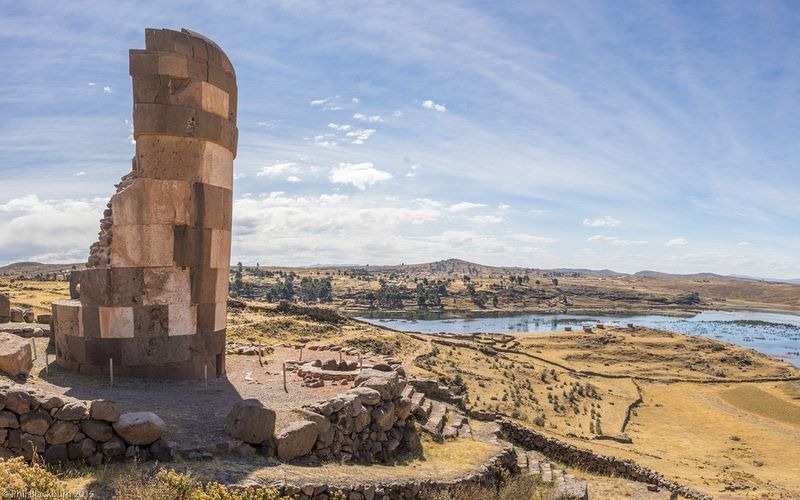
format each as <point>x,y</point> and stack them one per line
<point>111,370</point>
<point>284,378</point>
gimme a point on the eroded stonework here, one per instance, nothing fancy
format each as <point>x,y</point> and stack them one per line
<point>153,297</point>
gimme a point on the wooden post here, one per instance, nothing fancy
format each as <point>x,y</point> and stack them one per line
<point>284,378</point>
<point>360,362</point>
<point>260,363</point>
<point>340,355</point>
<point>301,353</point>
<point>47,363</point>
<point>111,371</point>
<point>33,345</point>
<point>205,376</point>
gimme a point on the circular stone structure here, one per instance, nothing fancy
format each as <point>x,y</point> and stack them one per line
<point>154,295</point>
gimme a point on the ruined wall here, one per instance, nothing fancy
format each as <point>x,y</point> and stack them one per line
<point>153,296</point>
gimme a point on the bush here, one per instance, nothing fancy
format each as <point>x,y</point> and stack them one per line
<point>20,480</point>
<point>171,485</point>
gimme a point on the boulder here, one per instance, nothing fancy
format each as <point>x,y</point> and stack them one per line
<point>330,364</point>
<point>140,428</point>
<point>61,432</point>
<point>31,443</point>
<point>49,401</point>
<point>18,401</point>
<point>36,422</point>
<point>114,447</point>
<point>28,316</point>
<point>44,319</point>
<point>296,440</point>
<point>383,416</point>
<point>8,420</point>
<point>369,397</point>
<point>250,422</point>
<point>388,384</point>
<point>16,315</point>
<point>97,430</point>
<point>16,357</point>
<point>323,424</point>
<point>56,454</point>
<point>102,409</point>
<point>5,308</point>
<point>72,410</point>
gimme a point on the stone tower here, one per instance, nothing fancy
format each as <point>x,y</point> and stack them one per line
<point>153,297</point>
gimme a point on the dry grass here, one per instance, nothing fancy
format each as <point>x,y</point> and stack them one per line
<point>752,399</point>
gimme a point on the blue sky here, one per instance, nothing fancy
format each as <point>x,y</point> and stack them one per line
<point>622,135</point>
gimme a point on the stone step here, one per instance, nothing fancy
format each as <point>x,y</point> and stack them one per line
<point>522,458</point>
<point>408,391</point>
<point>417,399</point>
<point>465,431</point>
<point>435,423</point>
<point>427,407</point>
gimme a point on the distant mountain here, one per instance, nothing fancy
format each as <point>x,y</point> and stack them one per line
<point>33,268</point>
<point>696,276</point>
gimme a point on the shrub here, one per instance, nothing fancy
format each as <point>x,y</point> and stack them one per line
<point>20,480</point>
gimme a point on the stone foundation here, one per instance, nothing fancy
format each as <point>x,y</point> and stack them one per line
<point>154,295</point>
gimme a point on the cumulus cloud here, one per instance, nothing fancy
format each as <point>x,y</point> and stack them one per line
<point>604,221</point>
<point>278,169</point>
<point>318,102</point>
<point>434,106</point>
<point>353,134</point>
<point>92,84</point>
<point>364,118</point>
<point>677,242</point>
<point>340,128</point>
<point>293,178</point>
<point>355,100</point>
<point>107,89</point>
<point>464,205</point>
<point>80,174</point>
<point>359,175</point>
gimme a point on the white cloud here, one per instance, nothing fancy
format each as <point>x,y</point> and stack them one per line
<point>413,171</point>
<point>107,89</point>
<point>340,128</point>
<point>325,140</point>
<point>486,219</point>
<point>743,243</point>
<point>355,100</point>
<point>80,174</point>
<point>618,242</point>
<point>278,169</point>
<point>359,136</point>
<point>532,238</point>
<point>293,178</point>
<point>397,113</point>
<point>92,84</point>
<point>317,102</point>
<point>464,205</point>
<point>364,118</point>
<point>600,237</point>
<point>604,221</point>
<point>359,175</point>
<point>239,175</point>
<point>677,242</point>
<point>432,105</point>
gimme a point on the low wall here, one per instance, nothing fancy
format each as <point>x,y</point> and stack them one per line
<point>369,423</point>
<point>58,429</point>
<point>487,475</point>
<point>590,461</point>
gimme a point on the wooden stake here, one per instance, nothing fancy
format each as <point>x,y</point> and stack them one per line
<point>47,363</point>
<point>260,363</point>
<point>360,362</point>
<point>284,378</point>
<point>340,355</point>
<point>111,371</point>
<point>301,353</point>
<point>33,345</point>
<point>205,376</point>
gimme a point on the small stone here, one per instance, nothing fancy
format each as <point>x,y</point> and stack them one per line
<point>114,447</point>
<point>102,409</point>
<point>36,422</point>
<point>8,420</point>
<point>72,410</point>
<point>97,430</point>
<point>61,432</point>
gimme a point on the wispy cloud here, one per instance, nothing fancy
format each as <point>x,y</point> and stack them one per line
<point>677,242</point>
<point>464,205</point>
<point>370,119</point>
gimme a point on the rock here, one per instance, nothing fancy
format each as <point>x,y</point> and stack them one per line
<point>36,422</point>
<point>49,401</point>
<point>28,316</point>
<point>161,451</point>
<point>72,410</point>
<point>87,448</point>
<point>330,364</point>
<point>411,440</point>
<point>382,367</point>
<point>571,490</point>
<point>369,397</point>
<point>403,408</point>
<point>250,422</point>
<point>95,460</point>
<point>383,416</point>
<point>5,308</point>
<point>323,424</point>
<point>114,447</point>
<point>30,444</point>
<point>296,440</point>
<point>102,409</point>
<point>61,432</point>
<point>18,401</point>
<point>8,420</point>
<point>56,454</point>
<point>44,319</point>
<point>140,428</point>
<point>97,430</point>
<point>16,357</point>
<point>16,315</point>
<point>386,383</point>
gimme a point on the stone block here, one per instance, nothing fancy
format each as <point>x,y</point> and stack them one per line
<point>101,409</point>
<point>250,422</point>
<point>15,355</point>
<point>140,428</point>
<point>152,201</point>
<point>5,308</point>
<point>169,41</point>
<point>99,351</point>
<point>73,349</point>
<point>151,321</point>
<point>220,250</point>
<point>180,121</point>
<point>184,158</point>
<point>214,100</point>
<point>211,206</point>
<point>182,319</point>
<point>142,246</point>
<point>166,285</point>
<point>174,65</point>
<point>209,285</point>
<point>116,322</point>
<point>90,317</point>
<point>67,318</point>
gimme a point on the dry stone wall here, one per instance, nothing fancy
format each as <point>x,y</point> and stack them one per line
<point>153,297</point>
<point>59,429</point>
<point>593,462</point>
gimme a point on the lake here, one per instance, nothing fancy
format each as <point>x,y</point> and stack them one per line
<point>774,334</point>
